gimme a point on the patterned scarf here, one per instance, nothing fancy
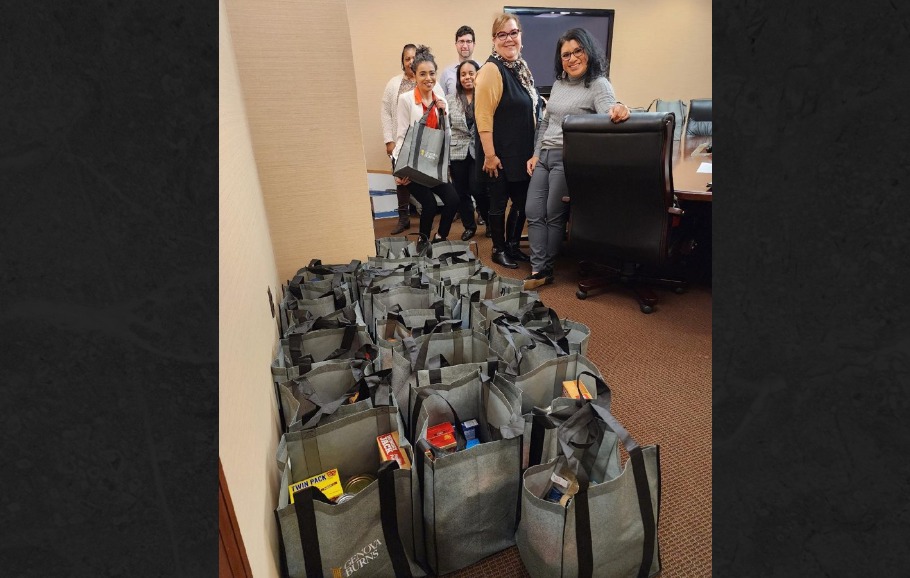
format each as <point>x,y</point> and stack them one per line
<point>406,85</point>
<point>520,69</point>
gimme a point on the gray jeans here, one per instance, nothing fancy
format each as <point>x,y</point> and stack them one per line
<point>545,210</point>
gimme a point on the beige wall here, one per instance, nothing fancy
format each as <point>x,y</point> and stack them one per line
<point>295,65</point>
<point>247,417</point>
<point>661,48</point>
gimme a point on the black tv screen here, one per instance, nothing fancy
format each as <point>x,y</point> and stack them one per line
<point>542,27</point>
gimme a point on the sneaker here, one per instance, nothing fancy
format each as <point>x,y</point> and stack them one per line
<point>535,280</point>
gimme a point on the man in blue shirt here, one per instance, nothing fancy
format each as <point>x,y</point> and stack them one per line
<point>464,44</point>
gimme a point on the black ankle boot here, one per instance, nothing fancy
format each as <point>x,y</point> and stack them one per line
<point>515,253</point>
<point>496,224</point>
<point>503,259</point>
<point>514,225</point>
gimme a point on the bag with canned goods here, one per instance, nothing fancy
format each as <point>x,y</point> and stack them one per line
<point>468,486</point>
<point>582,514</point>
<point>344,506</point>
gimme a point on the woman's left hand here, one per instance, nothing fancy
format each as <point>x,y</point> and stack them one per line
<point>619,112</point>
<point>441,104</point>
<point>402,181</point>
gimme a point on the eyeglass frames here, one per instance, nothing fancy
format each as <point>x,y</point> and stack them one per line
<point>577,53</point>
<point>464,42</point>
<point>503,35</point>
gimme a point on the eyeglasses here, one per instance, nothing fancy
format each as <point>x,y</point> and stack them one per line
<point>464,42</point>
<point>577,53</point>
<point>503,35</point>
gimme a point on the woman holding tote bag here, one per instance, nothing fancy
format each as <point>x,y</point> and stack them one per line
<point>427,98</point>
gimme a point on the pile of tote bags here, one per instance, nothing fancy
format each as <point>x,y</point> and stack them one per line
<point>435,413</point>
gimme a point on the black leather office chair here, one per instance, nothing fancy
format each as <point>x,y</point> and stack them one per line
<point>621,196</point>
<point>700,119</point>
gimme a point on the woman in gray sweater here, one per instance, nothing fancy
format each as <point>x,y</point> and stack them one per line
<point>580,88</point>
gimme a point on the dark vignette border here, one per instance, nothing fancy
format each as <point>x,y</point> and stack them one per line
<point>108,173</point>
<point>810,310</point>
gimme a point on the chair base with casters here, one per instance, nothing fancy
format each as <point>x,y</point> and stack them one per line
<point>624,214</point>
<point>629,275</point>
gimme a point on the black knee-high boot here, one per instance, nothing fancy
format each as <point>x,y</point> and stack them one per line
<point>496,225</point>
<point>514,226</point>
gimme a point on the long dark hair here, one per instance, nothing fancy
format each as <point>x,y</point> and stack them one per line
<point>597,62</point>
<point>460,93</point>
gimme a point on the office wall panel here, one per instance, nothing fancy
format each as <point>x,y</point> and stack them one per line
<point>296,75</point>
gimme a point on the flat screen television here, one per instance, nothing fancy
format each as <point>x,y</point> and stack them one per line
<point>542,27</point>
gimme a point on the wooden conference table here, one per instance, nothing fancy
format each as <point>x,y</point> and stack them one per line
<point>689,184</point>
<point>691,189</point>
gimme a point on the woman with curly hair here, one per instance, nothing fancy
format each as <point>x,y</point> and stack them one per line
<point>426,98</point>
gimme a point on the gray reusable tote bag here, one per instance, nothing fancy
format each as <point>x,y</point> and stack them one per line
<point>483,285</point>
<point>424,154</point>
<point>522,349</point>
<point>469,497</point>
<point>369,535</point>
<point>332,391</point>
<point>608,529</point>
<point>439,348</point>
<point>543,406</point>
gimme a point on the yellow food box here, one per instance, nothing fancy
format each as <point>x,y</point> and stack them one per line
<point>328,482</point>
<point>575,389</point>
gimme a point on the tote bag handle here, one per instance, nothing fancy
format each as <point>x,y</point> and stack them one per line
<point>582,510</point>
